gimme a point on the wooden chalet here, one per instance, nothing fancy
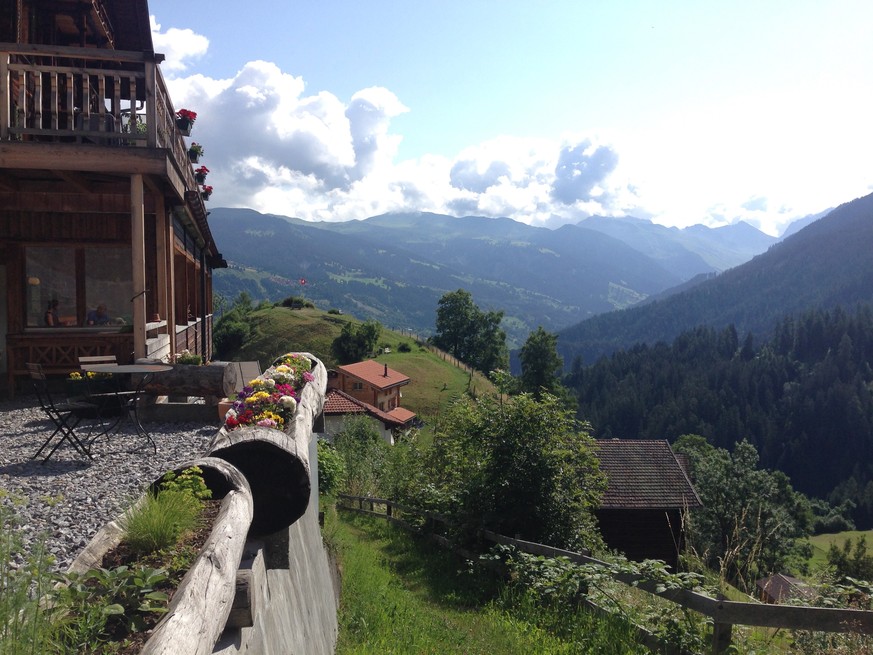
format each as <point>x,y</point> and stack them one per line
<point>371,382</point>
<point>98,200</point>
<point>339,406</point>
<point>647,493</point>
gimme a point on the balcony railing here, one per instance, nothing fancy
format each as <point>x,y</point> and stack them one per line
<point>86,95</point>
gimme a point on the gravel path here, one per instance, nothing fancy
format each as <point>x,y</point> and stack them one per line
<point>66,500</point>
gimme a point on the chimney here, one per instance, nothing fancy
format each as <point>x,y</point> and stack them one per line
<point>386,370</point>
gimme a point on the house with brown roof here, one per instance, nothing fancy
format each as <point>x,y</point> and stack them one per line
<point>648,491</point>
<point>339,406</point>
<point>367,388</point>
<point>100,206</point>
<point>781,588</point>
<point>371,382</point>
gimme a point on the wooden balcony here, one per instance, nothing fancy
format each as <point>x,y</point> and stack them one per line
<point>90,97</point>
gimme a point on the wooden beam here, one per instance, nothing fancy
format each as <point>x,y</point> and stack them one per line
<point>8,183</point>
<point>84,158</point>
<point>76,180</point>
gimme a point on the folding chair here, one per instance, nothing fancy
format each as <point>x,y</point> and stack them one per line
<point>66,415</point>
<point>113,402</point>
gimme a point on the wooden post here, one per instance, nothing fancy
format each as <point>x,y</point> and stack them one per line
<point>163,244</point>
<point>4,94</point>
<point>137,251</point>
<point>721,637</point>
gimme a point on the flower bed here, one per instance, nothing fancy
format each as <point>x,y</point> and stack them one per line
<point>271,399</point>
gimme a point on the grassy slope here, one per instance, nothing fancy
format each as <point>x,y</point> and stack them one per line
<point>434,381</point>
<point>822,542</point>
<point>401,595</point>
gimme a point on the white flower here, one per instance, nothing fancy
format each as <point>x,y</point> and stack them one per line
<point>288,402</point>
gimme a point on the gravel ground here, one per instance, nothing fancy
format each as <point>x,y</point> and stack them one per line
<point>67,499</point>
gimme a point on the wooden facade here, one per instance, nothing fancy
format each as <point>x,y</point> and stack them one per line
<point>98,201</point>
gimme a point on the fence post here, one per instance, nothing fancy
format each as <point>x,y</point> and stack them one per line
<point>721,637</point>
<point>388,510</point>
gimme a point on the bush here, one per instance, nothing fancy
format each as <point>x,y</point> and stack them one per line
<point>297,302</point>
<point>404,347</point>
<point>335,311</point>
<point>331,468</point>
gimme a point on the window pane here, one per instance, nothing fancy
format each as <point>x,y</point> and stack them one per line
<point>51,275</point>
<point>108,283</point>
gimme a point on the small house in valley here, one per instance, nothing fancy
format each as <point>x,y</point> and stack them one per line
<point>647,493</point>
<point>371,382</point>
<point>340,406</point>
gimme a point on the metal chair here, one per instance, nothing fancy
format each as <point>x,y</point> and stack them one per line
<point>65,415</point>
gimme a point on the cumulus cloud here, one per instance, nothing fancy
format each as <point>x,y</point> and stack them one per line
<point>580,169</point>
<point>273,146</point>
<point>179,46</point>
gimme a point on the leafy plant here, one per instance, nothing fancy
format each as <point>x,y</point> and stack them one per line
<point>188,481</point>
<point>103,603</point>
<point>187,357</point>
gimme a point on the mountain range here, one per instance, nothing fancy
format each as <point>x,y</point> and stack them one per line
<point>826,263</point>
<point>395,267</point>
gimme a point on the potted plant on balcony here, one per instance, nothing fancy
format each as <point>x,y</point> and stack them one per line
<point>185,121</point>
<point>200,174</point>
<point>205,192</point>
<point>195,152</point>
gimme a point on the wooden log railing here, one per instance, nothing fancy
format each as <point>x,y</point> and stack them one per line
<point>258,474</point>
<point>724,613</point>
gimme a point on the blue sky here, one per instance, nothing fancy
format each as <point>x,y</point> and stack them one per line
<point>681,112</point>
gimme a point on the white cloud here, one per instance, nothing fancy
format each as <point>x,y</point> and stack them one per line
<point>178,46</point>
<point>273,147</point>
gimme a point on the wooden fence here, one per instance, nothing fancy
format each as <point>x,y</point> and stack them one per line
<point>724,613</point>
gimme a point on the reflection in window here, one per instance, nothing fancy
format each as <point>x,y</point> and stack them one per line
<point>104,273</point>
<point>51,275</point>
<point>108,284</point>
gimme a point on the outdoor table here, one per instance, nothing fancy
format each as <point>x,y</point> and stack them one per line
<point>131,404</point>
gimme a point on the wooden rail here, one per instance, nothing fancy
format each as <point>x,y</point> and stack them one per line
<point>724,613</point>
<point>106,97</point>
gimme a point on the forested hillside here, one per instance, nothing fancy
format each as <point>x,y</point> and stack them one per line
<point>804,397</point>
<point>828,263</point>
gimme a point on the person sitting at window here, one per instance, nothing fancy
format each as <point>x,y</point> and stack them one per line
<point>51,314</point>
<point>98,316</point>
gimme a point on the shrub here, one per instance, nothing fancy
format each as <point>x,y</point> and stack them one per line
<point>404,347</point>
<point>331,468</point>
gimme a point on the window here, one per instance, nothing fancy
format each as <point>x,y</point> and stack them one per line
<point>79,279</point>
<point>358,386</point>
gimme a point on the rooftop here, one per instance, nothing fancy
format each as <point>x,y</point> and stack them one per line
<point>375,374</point>
<point>644,474</point>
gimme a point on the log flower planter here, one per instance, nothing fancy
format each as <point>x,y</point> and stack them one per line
<point>262,475</point>
<point>203,600</point>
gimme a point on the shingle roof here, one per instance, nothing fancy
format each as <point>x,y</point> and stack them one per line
<point>339,402</point>
<point>643,474</point>
<point>374,374</point>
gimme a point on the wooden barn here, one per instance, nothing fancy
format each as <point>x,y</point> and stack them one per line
<point>647,493</point>
<point>103,226</point>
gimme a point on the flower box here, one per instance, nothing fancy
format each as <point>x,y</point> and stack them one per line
<point>184,126</point>
<point>185,121</point>
<point>205,192</point>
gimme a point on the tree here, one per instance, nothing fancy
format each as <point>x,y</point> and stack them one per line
<point>518,467</point>
<point>751,520</point>
<point>468,333</point>
<point>232,330</point>
<point>540,363</point>
<point>356,341</point>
